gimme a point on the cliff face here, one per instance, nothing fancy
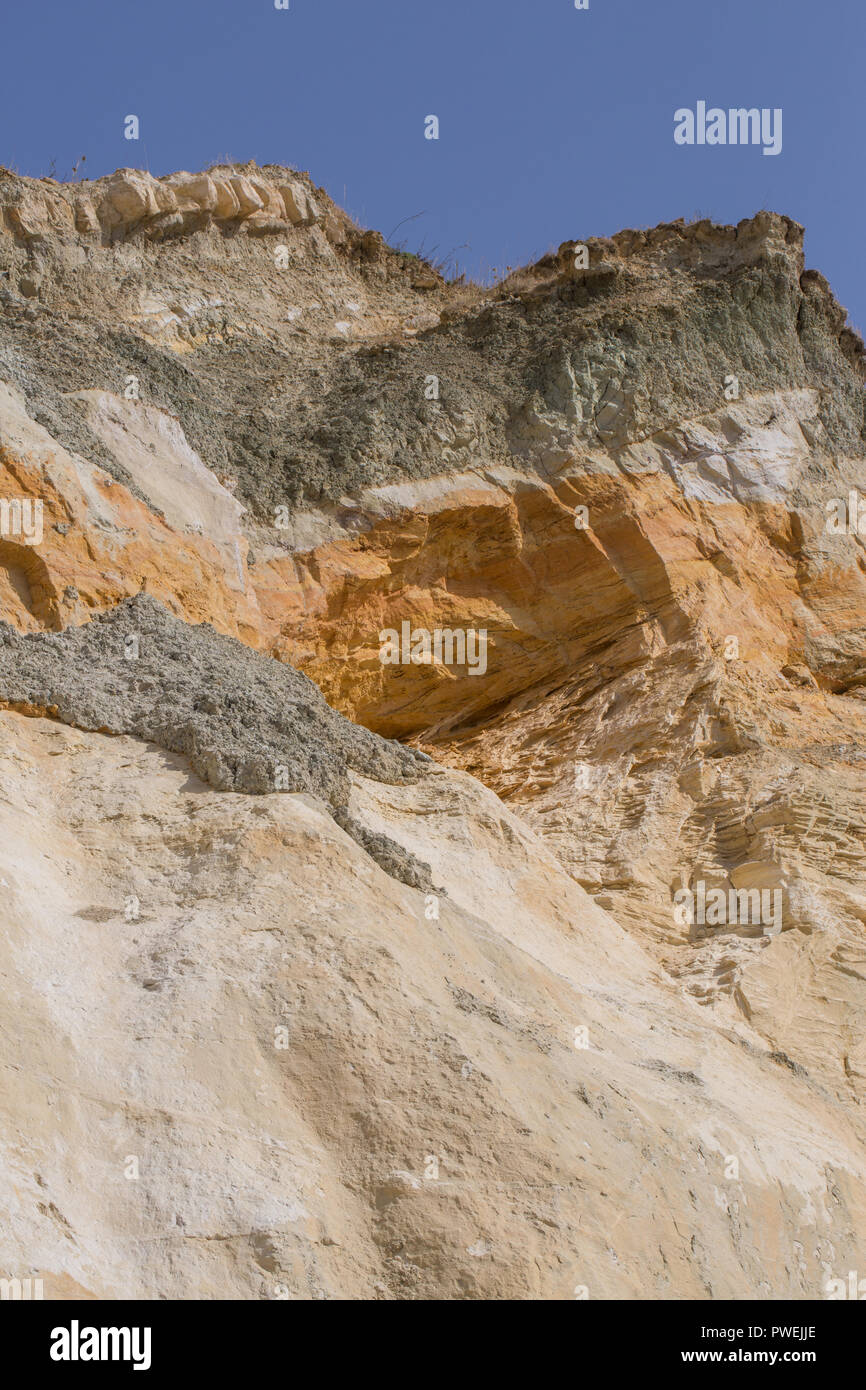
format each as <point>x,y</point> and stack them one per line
<point>634,467</point>
<point>245,1062</point>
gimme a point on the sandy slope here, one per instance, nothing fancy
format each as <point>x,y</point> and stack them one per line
<point>305,1170</point>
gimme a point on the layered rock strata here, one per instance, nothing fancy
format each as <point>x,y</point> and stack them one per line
<point>641,482</point>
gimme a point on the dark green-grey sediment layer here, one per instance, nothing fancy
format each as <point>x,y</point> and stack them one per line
<point>300,422</point>
<point>245,722</point>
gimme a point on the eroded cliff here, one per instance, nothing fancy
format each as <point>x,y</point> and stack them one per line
<point>634,467</point>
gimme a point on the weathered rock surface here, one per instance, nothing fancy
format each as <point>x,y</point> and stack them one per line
<point>626,476</point>
<point>240,718</point>
<point>246,723</point>
<point>243,1062</point>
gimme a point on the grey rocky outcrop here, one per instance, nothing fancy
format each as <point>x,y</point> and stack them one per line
<point>245,722</point>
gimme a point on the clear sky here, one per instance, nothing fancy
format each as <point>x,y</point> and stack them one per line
<point>554,122</point>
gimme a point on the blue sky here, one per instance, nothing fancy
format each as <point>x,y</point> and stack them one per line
<point>554,123</point>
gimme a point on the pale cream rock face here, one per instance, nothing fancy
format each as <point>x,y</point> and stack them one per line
<point>153,448</point>
<point>424,1126</point>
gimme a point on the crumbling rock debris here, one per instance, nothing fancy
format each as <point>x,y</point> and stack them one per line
<point>245,722</point>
